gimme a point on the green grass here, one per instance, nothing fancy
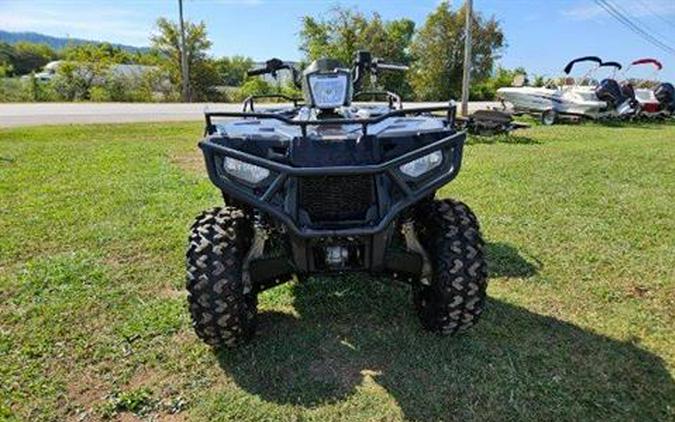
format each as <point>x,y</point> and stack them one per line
<point>581,242</point>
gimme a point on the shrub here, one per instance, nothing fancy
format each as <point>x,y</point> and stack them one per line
<point>291,91</point>
<point>74,80</point>
<point>35,90</point>
<point>99,94</point>
<point>5,70</point>
<point>11,90</point>
<point>155,85</point>
<point>486,90</point>
<point>26,90</point>
<point>256,86</point>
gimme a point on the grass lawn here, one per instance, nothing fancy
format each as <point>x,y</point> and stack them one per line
<point>580,225</point>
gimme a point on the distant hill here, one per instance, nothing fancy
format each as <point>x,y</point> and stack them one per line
<point>57,43</point>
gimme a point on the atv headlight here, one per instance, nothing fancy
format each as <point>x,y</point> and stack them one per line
<point>329,90</point>
<point>245,171</point>
<point>422,165</point>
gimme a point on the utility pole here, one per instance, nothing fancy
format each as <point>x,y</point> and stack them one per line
<point>185,72</point>
<point>468,5</point>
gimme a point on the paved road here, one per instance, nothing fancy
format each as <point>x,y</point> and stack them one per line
<point>32,114</point>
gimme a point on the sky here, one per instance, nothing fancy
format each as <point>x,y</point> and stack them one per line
<point>542,35</point>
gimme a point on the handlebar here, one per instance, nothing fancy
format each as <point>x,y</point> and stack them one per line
<point>256,72</point>
<point>385,66</point>
<point>272,66</point>
<point>365,63</point>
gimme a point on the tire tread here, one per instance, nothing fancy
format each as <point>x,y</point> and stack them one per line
<point>222,315</point>
<point>455,300</point>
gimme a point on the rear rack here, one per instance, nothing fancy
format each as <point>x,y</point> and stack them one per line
<point>450,109</point>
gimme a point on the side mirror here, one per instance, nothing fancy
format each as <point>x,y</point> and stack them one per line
<point>273,65</point>
<point>363,57</point>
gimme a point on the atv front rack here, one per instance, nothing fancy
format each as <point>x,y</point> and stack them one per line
<point>210,129</point>
<point>249,102</point>
<point>393,100</point>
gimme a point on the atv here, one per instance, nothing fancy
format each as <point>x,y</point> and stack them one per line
<point>324,186</point>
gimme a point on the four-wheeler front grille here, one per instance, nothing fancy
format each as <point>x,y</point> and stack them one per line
<point>336,198</point>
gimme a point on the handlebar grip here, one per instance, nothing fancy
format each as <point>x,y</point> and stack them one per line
<point>256,72</point>
<point>384,66</point>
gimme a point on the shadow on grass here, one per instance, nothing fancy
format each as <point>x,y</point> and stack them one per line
<point>513,365</point>
<point>505,261</point>
<point>504,138</point>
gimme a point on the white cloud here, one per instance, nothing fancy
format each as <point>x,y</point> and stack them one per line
<point>114,25</point>
<point>637,8</point>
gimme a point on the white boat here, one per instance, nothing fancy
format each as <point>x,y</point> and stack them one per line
<point>575,98</point>
<point>655,101</point>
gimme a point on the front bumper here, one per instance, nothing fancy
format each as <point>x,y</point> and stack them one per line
<point>277,195</point>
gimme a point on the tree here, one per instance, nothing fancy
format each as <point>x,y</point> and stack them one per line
<point>346,31</point>
<point>147,58</point>
<point>232,70</point>
<point>203,71</point>
<point>6,59</point>
<point>97,51</point>
<point>256,86</point>
<point>90,72</point>
<point>29,57</point>
<point>85,66</point>
<point>538,80</point>
<point>487,89</point>
<point>438,52</point>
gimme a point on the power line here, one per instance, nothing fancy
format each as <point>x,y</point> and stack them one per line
<point>653,12</point>
<point>609,8</point>
<point>618,15</point>
<point>640,23</point>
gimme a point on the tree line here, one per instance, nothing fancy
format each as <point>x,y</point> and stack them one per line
<point>434,52</point>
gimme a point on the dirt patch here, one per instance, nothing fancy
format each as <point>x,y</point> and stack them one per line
<point>173,417</point>
<point>86,391</point>
<point>167,400</point>
<point>637,292</point>
<point>170,292</point>
<point>183,337</point>
<point>145,377</point>
<point>128,417</point>
<point>88,394</point>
